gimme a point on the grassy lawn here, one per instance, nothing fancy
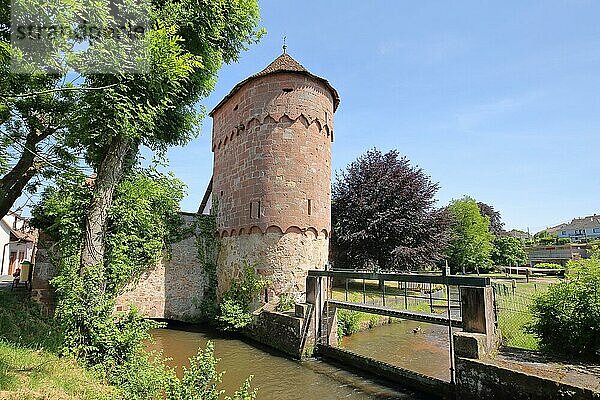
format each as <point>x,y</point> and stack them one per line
<point>514,314</point>
<point>353,321</point>
<point>38,374</point>
<point>393,294</point>
<point>29,365</point>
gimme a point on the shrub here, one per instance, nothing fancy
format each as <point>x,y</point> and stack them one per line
<point>348,322</point>
<point>234,310</point>
<point>201,380</point>
<point>568,314</point>
<point>286,302</point>
<point>548,266</point>
<point>563,241</point>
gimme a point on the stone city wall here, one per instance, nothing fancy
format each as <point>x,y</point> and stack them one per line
<point>170,290</point>
<point>174,288</point>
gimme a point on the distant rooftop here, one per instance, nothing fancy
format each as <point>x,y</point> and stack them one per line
<point>591,221</point>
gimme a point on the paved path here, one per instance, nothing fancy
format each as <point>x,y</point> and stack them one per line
<point>576,374</point>
<point>5,281</point>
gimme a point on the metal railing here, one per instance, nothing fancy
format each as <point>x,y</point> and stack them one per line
<point>437,292</point>
<point>418,293</point>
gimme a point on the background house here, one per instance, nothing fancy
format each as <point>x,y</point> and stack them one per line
<point>580,228</point>
<point>17,241</point>
<point>557,254</point>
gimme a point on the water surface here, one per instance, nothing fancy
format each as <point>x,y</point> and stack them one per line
<point>412,345</point>
<point>276,377</point>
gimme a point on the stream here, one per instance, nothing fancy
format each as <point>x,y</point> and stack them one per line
<point>280,378</point>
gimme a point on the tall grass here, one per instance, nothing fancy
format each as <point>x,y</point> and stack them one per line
<point>30,365</point>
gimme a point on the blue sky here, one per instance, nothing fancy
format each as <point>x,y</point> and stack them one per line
<point>497,100</point>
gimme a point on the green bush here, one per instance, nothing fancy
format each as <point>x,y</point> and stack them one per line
<point>548,240</point>
<point>201,380</point>
<point>286,302</point>
<point>234,310</point>
<point>567,316</point>
<point>563,241</point>
<point>348,322</point>
<point>548,266</point>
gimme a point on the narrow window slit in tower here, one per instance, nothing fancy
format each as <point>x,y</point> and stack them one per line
<point>250,210</point>
<point>309,207</point>
<point>258,211</point>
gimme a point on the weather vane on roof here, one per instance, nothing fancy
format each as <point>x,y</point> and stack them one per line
<point>284,44</point>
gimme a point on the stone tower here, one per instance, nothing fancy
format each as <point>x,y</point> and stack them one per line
<point>271,141</point>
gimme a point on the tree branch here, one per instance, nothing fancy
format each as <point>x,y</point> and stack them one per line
<point>4,95</point>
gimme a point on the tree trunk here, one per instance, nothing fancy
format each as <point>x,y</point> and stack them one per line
<point>109,174</point>
<point>13,183</point>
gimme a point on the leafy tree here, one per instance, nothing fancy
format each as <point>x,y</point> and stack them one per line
<point>508,251</point>
<point>383,214</point>
<point>33,133</point>
<point>471,242</point>
<point>115,226</point>
<point>188,43</point>
<point>545,238</point>
<point>496,224</point>
<point>37,108</point>
<point>143,220</point>
<point>567,316</point>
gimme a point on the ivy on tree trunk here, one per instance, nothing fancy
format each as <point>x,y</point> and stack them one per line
<point>110,172</point>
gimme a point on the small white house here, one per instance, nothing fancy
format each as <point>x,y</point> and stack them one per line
<point>17,242</point>
<point>581,228</point>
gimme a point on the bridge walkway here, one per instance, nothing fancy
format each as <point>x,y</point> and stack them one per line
<point>396,313</point>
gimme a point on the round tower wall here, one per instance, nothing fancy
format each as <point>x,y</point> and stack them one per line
<point>272,179</point>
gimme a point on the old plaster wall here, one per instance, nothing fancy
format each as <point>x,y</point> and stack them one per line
<point>284,259</point>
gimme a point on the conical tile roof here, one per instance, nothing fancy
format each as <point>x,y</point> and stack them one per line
<point>283,63</point>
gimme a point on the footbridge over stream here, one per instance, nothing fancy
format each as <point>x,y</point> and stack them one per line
<point>463,304</point>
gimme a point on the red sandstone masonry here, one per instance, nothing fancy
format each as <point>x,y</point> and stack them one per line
<point>272,145</point>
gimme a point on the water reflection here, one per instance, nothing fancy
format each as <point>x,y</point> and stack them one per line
<point>425,351</point>
<point>277,377</point>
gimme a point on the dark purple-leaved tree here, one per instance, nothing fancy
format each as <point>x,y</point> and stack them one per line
<point>496,224</point>
<point>383,215</point>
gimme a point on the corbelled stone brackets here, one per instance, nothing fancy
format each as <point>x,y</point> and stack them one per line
<point>480,336</point>
<point>323,323</point>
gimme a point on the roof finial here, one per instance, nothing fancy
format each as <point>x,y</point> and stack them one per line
<point>284,44</point>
